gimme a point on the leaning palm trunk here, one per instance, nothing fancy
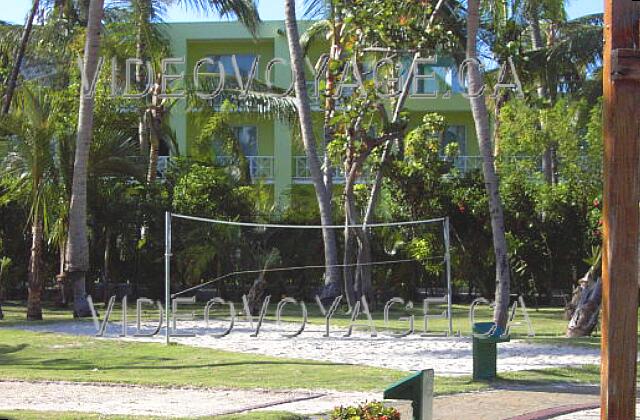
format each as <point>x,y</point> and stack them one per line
<point>34,300</point>
<point>481,118</point>
<point>13,78</point>
<point>585,318</point>
<point>332,274</point>
<point>77,249</point>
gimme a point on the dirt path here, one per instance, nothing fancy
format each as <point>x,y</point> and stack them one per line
<point>514,403</point>
<point>510,404</point>
<point>168,402</point>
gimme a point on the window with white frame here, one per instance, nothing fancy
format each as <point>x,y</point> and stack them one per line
<point>455,134</point>
<point>247,136</point>
<point>244,61</point>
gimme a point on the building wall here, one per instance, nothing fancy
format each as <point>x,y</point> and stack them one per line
<point>198,40</point>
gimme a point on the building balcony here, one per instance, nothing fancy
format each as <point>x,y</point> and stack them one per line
<point>261,168</point>
<point>470,163</point>
<point>302,173</point>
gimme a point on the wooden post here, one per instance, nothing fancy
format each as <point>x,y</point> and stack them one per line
<point>621,216</point>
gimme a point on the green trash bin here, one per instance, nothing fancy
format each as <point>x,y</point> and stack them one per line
<point>486,335</point>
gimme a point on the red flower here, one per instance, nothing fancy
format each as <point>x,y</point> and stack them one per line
<point>596,203</point>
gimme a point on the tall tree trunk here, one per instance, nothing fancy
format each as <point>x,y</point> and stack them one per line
<point>34,300</point>
<point>61,277</point>
<point>362,282</point>
<point>77,249</point>
<point>154,147</point>
<point>153,120</point>
<point>376,188</point>
<point>330,102</point>
<point>13,78</point>
<point>536,42</point>
<point>106,271</point>
<point>332,273</point>
<point>4,264</point>
<point>481,118</point>
<point>377,183</point>
<point>348,258</point>
<point>541,87</point>
<point>144,8</point>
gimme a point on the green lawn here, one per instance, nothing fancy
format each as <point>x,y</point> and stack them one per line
<point>36,356</point>
<point>548,323</point>
<point>46,356</point>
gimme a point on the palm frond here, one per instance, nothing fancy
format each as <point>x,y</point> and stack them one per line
<point>314,9</point>
<point>319,30</point>
<point>246,11</point>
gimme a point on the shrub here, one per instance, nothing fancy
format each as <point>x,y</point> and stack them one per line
<point>367,411</point>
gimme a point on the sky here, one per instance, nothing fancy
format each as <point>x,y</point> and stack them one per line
<point>15,10</point>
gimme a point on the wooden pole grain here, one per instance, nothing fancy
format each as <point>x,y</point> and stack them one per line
<point>621,126</point>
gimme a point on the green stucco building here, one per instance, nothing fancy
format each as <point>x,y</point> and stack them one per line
<point>274,157</point>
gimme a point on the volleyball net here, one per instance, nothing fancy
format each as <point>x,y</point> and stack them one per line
<point>239,261</point>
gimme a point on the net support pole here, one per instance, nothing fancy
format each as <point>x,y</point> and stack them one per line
<point>447,258</point>
<point>167,272</point>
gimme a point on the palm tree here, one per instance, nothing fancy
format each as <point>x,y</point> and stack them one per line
<point>77,248</point>
<point>481,118</point>
<point>22,47</point>
<point>147,13</point>
<point>29,167</point>
<point>323,195</point>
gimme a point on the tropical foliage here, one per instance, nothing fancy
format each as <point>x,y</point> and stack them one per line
<point>546,147</point>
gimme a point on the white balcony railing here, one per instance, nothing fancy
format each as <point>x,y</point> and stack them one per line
<point>260,167</point>
<point>467,163</point>
<point>302,173</point>
<point>470,163</point>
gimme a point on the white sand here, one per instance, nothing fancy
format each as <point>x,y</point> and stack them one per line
<point>447,356</point>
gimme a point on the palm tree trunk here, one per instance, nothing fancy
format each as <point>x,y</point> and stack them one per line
<point>106,270</point>
<point>77,249</point>
<point>536,42</point>
<point>541,88</point>
<point>153,120</point>
<point>34,300</point>
<point>330,102</point>
<point>144,7</point>
<point>332,274</point>
<point>13,78</point>
<point>61,278</point>
<point>481,118</point>
<point>154,146</point>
